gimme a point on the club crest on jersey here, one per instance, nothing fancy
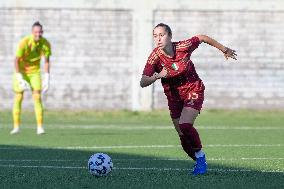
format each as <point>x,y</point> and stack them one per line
<point>174,66</point>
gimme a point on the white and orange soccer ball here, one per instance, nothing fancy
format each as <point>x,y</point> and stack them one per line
<point>100,164</point>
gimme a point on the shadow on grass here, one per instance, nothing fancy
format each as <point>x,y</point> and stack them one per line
<point>33,167</point>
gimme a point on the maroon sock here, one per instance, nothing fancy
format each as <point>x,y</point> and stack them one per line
<point>186,145</point>
<point>191,133</point>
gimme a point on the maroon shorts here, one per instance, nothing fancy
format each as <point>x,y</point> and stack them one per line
<point>192,98</point>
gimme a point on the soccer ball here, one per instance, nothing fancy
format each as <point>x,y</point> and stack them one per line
<point>100,164</point>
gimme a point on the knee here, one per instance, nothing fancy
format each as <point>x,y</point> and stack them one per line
<point>19,97</point>
<point>36,96</point>
<point>186,120</point>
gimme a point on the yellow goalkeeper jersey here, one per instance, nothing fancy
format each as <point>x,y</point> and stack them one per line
<point>30,52</point>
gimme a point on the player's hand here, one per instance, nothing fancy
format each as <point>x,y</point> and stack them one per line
<point>45,84</point>
<point>162,74</point>
<point>230,53</point>
<point>23,84</point>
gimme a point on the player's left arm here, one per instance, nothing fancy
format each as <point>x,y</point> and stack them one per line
<point>46,65</point>
<point>47,54</point>
<point>228,52</point>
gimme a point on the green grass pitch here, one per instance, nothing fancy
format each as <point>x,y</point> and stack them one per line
<point>245,149</point>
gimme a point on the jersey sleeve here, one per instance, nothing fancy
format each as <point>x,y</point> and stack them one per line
<point>21,49</point>
<point>46,49</point>
<point>194,43</point>
<point>149,69</point>
<point>189,44</point>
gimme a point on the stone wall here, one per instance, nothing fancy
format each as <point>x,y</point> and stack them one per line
<point>100,49</point>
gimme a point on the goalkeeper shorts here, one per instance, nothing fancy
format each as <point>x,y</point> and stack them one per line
<point>34,80</point>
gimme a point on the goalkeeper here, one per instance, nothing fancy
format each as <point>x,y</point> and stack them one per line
<point>27,74</point>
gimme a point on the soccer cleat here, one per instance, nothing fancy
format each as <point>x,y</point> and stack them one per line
<point>40,131</point>
<point>200,166</point>
<point>15,131</point>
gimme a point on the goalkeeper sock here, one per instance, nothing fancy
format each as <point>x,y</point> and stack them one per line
<point>192,135</point>
<point>17,109</point>
<point>38,109</point>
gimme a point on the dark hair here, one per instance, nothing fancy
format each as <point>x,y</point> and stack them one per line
<point>167,28</point>
<point>37,24</point>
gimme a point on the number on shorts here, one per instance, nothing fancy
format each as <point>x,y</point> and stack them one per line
<point>192,97</point>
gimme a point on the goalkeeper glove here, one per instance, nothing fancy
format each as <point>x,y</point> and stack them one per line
<point>45,84</point>
<point>23,84</point>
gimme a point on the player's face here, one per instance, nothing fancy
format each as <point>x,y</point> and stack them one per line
<point>37,32</point>
<point>161,37</point>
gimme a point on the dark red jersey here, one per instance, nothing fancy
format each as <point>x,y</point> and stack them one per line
<point>182,75</point>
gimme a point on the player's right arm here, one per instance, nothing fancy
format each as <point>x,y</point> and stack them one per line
<point>21,49</point>
<point>148,80</point>
<point>23,84</point>
<point>150,75</point>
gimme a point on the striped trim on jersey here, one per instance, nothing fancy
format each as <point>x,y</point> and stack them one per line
<point>183,45</point>
<point>153,58</point>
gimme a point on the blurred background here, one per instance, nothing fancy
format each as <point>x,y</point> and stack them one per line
<point>100,48</point>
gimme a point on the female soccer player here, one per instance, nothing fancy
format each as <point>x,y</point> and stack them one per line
<point>170,62</point>
<point>27,74</point>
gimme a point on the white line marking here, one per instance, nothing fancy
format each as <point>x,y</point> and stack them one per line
<point>170,146</point>
<point>42,166</point>
<point>40,160</point>
<point>120,147</point>
<point>153,127</point>
<point>142,146</point>
<point>139,159</point>
<point>244,145</point>
<point>142,168</point>
<point>238,128</point>
<point>116,127</point>
<point>210,170</point>
<point>208,159</point>
<point>242,158</point>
